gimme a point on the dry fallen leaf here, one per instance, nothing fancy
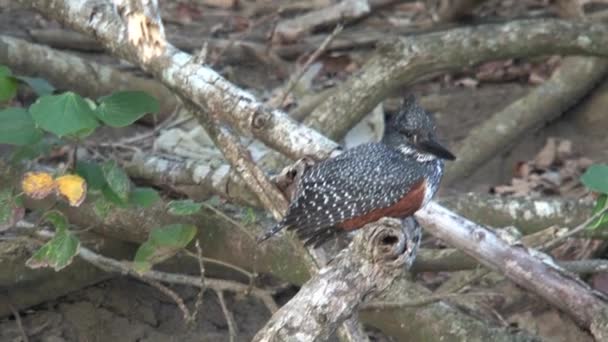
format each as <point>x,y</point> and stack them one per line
<point>72,187</point>
<point>37,185</point>
<point>553,171</point>
<point>564,149</point>
<point>547,155</point>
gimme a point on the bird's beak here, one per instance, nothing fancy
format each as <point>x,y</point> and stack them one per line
<point>433,147</point>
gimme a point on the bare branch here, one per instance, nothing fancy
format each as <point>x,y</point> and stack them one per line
<point>402,61</point>
<point>527,268</point>
<point>298,75</point>
<point>109,264</point>
<point>291,29</point>
<point>232,329</point>
<point>364,269</point>
<point>18,322</point>
<point>568,84</point>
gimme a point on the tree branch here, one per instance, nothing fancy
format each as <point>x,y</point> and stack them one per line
<point>214,94</point>
<point>361,271</point>
<point>401,61</point>
<point>568,84</point>
<point>528,268</point>
<point>200,84</point>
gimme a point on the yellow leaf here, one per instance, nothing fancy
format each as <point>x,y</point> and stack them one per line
<point>72,187</point>
<point>37,185</point>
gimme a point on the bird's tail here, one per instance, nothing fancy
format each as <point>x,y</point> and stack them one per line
<point>270,232</point>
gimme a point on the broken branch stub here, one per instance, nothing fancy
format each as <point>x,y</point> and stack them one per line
<point>375,257</point>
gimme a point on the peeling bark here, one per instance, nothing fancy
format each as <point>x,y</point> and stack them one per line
<point>360,272</point>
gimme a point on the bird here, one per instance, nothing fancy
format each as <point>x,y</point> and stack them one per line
<point>391,178</point>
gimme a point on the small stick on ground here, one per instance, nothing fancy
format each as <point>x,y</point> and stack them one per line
<point>558,240</point>
<point>201,292</point>
<point>171,294</point>
<point>296,78</point>
<point>232,329</point>
<point>19,323</point>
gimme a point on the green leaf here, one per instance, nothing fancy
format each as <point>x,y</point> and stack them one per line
<point>162,244</point>
<point>5,71</point>
<point>39,85</point>
<point>176,235</point>
<point>57,219</point>
<point>144,197</point>
<point>596,178</point>
<point>183,207</point>
<point>8,84</point>
<point>92,173</point>
<point>123,108</point>
<point>111,197</point>
<point>65,114</point>
<point>18,128</point>
<point>6,207</point>
<point>102,207</point>
<point>117,180</point>
<point>144,258</point>
<point>57,253</point>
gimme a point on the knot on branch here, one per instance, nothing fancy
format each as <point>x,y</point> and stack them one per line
<point>261,118</point>
<point>289,177</point>
<point>390,241</point>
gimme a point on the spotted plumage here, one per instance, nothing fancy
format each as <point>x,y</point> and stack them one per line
<point>394,177</point>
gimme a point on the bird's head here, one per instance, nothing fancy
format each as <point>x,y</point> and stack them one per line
<point>412,131</point>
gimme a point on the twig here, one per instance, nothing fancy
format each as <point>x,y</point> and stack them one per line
<point>18,321</point>
<point>230,219</point>
<point>168,292</point>
<point>558,240</point>
<point>112,265</point>
<point>221,263</point>
<point>296,78</point>
<point>242,35</point>
<point>232,329</point>
<point>379,305</point>
<point>240,159</point>
<point>199,297</point>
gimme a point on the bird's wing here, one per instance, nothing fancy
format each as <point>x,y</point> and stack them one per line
<point>360,180</point>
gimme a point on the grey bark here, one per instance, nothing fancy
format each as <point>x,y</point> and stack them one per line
<point>401,61</point>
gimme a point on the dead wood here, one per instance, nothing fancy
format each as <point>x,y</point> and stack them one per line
<point>446,322</point>
<point>64,39</point>
<point>362,271</point>
<point>573,80</point>
<point>450,10</point>
<point>211,92</point>
<point>290,30</point>
<point>221,239</point>
<point>528,268</point>
<point>402,61</point>
<point>200,84</point>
